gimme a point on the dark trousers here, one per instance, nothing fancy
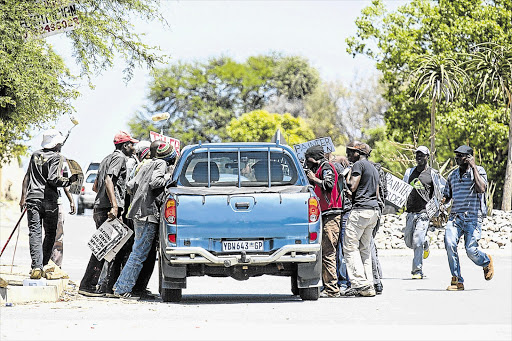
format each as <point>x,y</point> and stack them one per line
<point>93,270</point>
<point>41,214</point>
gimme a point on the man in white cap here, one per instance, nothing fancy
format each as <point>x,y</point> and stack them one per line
<point>40,195</point>
<point>417,223</point>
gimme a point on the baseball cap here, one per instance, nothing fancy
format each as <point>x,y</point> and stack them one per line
<point>51,138</point>
<point>122,137</point>
<point>422,149</point>
<point>464,150</point>
<point>360,147</point>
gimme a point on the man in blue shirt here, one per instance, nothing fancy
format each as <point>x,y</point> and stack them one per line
<point>466,187</point>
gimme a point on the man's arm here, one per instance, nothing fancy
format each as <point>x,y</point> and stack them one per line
<point>71,201</point>
<point>24,188</point>
<point>109,188</point>
<point>55,171</point>
<point>159,177</point>
<point>480,183</point>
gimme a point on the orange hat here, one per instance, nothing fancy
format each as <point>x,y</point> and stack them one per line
<point>122,137</point>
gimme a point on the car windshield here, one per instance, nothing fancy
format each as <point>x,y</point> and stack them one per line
<point>90,179</point>
<point>225,168</point>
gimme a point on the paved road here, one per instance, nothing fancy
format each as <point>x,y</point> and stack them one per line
<point>263,308</point>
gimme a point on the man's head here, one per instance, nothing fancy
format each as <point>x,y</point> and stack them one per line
<point>142,150</point>
<point>461,155</point>
<point>314,155</point>
<point>52,139</point>
<point>124,142</point>
<point>356,150</point>
<point>163,150</point>
<point>422,154</point>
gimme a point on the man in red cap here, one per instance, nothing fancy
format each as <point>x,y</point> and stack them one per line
<point>110,186</point>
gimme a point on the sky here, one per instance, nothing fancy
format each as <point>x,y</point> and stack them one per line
<point>199,30</point>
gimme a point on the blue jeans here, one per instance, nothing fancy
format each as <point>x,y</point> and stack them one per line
<point>341,265</point>
<point>469,225</point>
<point>144,234</point>
<point>416,228</point>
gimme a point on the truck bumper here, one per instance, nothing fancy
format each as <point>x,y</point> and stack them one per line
<point>299,253</point>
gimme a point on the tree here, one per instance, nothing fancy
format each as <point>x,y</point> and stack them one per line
<point>446,28</point>
<point>442,78</point>
<point>492,65</point>
<point>260,126</point>
<point>203,97</point>
<point>35,84</point>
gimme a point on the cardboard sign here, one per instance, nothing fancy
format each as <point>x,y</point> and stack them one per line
<point>398,191</point>
<point>325,142</point>
<point>108,239</point>
<point>75,168</point>
<point>174,142</point>
<point>432,207</point>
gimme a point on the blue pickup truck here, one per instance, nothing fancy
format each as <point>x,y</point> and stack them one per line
<point>240,210</point>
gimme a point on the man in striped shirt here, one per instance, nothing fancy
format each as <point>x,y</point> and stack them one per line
<point>466,187</point>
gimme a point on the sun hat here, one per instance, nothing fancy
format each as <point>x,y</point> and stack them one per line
<point>360,147</point>
<point>123,137</point>
<point>423,149</point>
<point>51,138</point>
<point>464,150</point>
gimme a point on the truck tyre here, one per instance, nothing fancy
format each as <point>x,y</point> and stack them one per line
<point>170,295</point>
<point>295,287</point>
<point>309,294</point>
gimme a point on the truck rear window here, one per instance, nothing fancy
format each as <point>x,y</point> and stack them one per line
<point>225,169</point>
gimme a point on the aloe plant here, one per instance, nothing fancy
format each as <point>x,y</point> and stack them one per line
<point>440,77</point>
<point>491,63</point>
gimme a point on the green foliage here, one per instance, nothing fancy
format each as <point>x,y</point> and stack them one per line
<point>35,85</point>
<point>444,28</point>
<point>260,126</point>
<point>202,98</point>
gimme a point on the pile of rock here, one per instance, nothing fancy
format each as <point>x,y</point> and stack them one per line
<point>496,232</point>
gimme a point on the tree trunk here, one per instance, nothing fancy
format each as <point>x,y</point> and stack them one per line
<point>432,132</point>
<point>506,201</point>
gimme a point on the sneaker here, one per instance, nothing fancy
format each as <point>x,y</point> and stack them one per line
<point>418,275</point>
<point>426,248</point>
<point>90,292</point>
<point>145,294</point>
<point>349,292</point>
<point>325,294</point>
<point>366,291</point>
<point>47,269</point>
<point>378,288</point>
<point>455,285</point>
<point>36,273</point>
<point>126,296</point>
<point>489,269</point>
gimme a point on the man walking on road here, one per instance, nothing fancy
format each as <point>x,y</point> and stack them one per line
<point>420,178</point>
<point>110,186</point>
<point>40,195</point>
<point>466,187</point>
<point>322,174</point>
<point>363,181</point>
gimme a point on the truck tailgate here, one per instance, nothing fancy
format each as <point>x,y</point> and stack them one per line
<point>277,219</point>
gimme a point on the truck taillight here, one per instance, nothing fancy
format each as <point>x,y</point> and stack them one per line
<point>170,211</point>
<point>313,236</point>
<point>172,238</point>
<point>313,210</point>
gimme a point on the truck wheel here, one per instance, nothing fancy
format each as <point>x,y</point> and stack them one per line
<point>295,287</point>
<point>80,209</point>
<point>309,294</point>
<point>171,295</point>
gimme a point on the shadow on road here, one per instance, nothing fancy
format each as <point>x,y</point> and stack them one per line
<point>237,299</point>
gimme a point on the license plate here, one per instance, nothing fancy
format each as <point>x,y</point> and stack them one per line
<point>242,245</point>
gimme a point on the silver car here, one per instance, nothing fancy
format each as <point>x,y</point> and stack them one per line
<point>87,195</point>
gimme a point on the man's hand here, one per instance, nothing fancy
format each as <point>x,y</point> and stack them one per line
<point>311,175</point>
<point>73,178</point>
<point>112,214</point>
<point>22,203</point>
<point>72,207</point>
<point>470,160</point>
